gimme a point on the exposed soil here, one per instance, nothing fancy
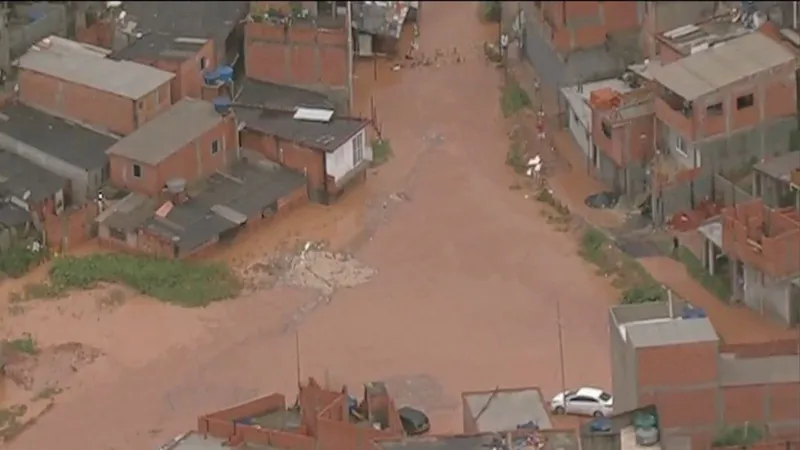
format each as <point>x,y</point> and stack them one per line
<point>453,279</point>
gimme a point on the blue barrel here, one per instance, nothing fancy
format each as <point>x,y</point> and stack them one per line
<point>693,313</point>
<point>211,77</point>
<point>225,74</point>
<point>222,105</point>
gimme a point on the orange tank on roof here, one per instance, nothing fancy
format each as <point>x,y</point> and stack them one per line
<point>605,98</point>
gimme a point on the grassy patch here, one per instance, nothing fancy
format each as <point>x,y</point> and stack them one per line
<point>515,157</point>
<point>513,98</point>
<point>188,284</point>
<point>9,421</point>
<point>25,344</point>
<point>490,11</point>
<point>47,393</point>
<point>18,259</point>
<point>637,285</point>
<point>739,436</point>
<point>381,151</point>
<point>717,285</point>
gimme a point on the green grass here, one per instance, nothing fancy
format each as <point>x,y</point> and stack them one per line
<point>25,344</point>
<point>717,285</point>
<point>17,260</point>
<point>188,284</point>
<point>739,436</point>
<point>381,151</point>
<point>637,285</point>
<point>513,98</point>
<point>515,156</point>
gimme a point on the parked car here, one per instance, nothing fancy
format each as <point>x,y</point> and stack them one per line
<point>585,401</point>
<point>415,422</point>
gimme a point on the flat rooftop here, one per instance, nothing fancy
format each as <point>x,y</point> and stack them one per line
<point>168,132</point>
<point>223,202</point>
<point>688,39</point>
<point>578,97</point>
<point>270,113</point>
<point>705,72</point>
<point>71,143</point>
<point>780,167</point>
<point>88,66</point>
<point>554,440</point>
<point>177,30</point>
<point>19,176</point>
<point>504,409</point>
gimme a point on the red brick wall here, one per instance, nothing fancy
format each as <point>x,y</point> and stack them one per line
<point>188,81</point>
<point>657,368</point>
<point>182,164</point>
<point>584,24</point>
<point>83,104</point>
<point>296,157</point>
<point>301,55</point>
<point>73,227</point>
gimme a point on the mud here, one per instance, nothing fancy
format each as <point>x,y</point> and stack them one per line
<point>453,279</point>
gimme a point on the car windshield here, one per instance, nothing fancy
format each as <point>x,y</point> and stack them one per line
<point>605,396</point>
<point>570,393</point>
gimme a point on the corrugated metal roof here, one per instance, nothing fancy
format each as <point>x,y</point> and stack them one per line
<point>705,72</point>
<point>74,62</point>
<point>169,132</point>
<point>670,332</point>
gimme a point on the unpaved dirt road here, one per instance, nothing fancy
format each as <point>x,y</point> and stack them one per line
<point>464,276</point>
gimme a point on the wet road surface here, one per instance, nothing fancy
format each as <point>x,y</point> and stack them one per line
<point>468,276</point>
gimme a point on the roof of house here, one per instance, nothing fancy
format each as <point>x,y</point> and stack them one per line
<point>18,176</point>
<point>780,167</point>
<point>662,332</point>
<point>57,137</point>
<point>81,64</point>
<point>270,116</point>
<point>168,132</point>
<point>503,410</point>
<point>706,71</point>
<point>176,30</point>
<point>13,216</point>
<point>223,201</point>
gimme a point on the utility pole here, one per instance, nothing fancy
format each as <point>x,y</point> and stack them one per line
<point>561,348</point>
<point>297,356</point>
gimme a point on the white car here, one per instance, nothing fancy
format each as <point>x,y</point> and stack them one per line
<point>585,401</point>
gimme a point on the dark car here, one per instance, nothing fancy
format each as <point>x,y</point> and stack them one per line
<point>414,421</point>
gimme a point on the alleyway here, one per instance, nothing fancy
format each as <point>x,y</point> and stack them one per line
<point>464,295</point>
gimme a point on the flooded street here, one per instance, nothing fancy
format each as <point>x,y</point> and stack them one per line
<point>455,279</point>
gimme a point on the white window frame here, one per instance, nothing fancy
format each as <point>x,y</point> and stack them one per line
<point>358,149</point>
<point>680,146</point>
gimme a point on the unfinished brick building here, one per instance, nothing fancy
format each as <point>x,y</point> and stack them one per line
<point>653,344</point>
<point>578,42</point>
<point>320,419</point>
<point>304,49</point>
<point>764,247</point>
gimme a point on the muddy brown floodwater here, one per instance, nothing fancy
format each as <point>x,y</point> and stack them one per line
<point>452,284</point>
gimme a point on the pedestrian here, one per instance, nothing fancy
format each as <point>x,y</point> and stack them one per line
<point>675,245</point>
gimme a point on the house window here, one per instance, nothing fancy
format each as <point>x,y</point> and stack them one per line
<point>744,101</point>
<point>606,129</point>
<point>214,147</point>
<point>203,63</point>
<point>137,171</point>
<point>358,148</point>
<point>140,104</point>
<point>680,146</point>
<point>714,110</point>
<point>158,97</point>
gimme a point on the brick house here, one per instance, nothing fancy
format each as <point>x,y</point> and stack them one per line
<point>189,141</point>
<point>660,17</point>
<point>332,153</point>
<point>652,344</point>
<point>312,53</point>
<point>718,111</point>
<point>190,39</point>
<point>76,81</point>
<point>322,419</point>
<point>579,42</point>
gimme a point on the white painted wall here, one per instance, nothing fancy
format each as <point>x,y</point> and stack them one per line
<point>580,131</point>
<point>340,162</point>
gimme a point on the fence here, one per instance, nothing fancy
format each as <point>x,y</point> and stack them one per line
<point>687,195</point>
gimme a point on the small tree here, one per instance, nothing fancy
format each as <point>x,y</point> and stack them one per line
<point>740,436</point>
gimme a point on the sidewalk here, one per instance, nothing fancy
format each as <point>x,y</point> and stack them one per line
<point>735,324</point>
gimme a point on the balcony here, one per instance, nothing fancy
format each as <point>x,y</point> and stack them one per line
<point>768,239</point>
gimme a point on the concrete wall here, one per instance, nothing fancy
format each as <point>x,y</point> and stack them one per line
<point>581,25</point>
<point>768,296</point>
<point>84,184</point>
<point>302,55</point>
<point>665,16</point>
